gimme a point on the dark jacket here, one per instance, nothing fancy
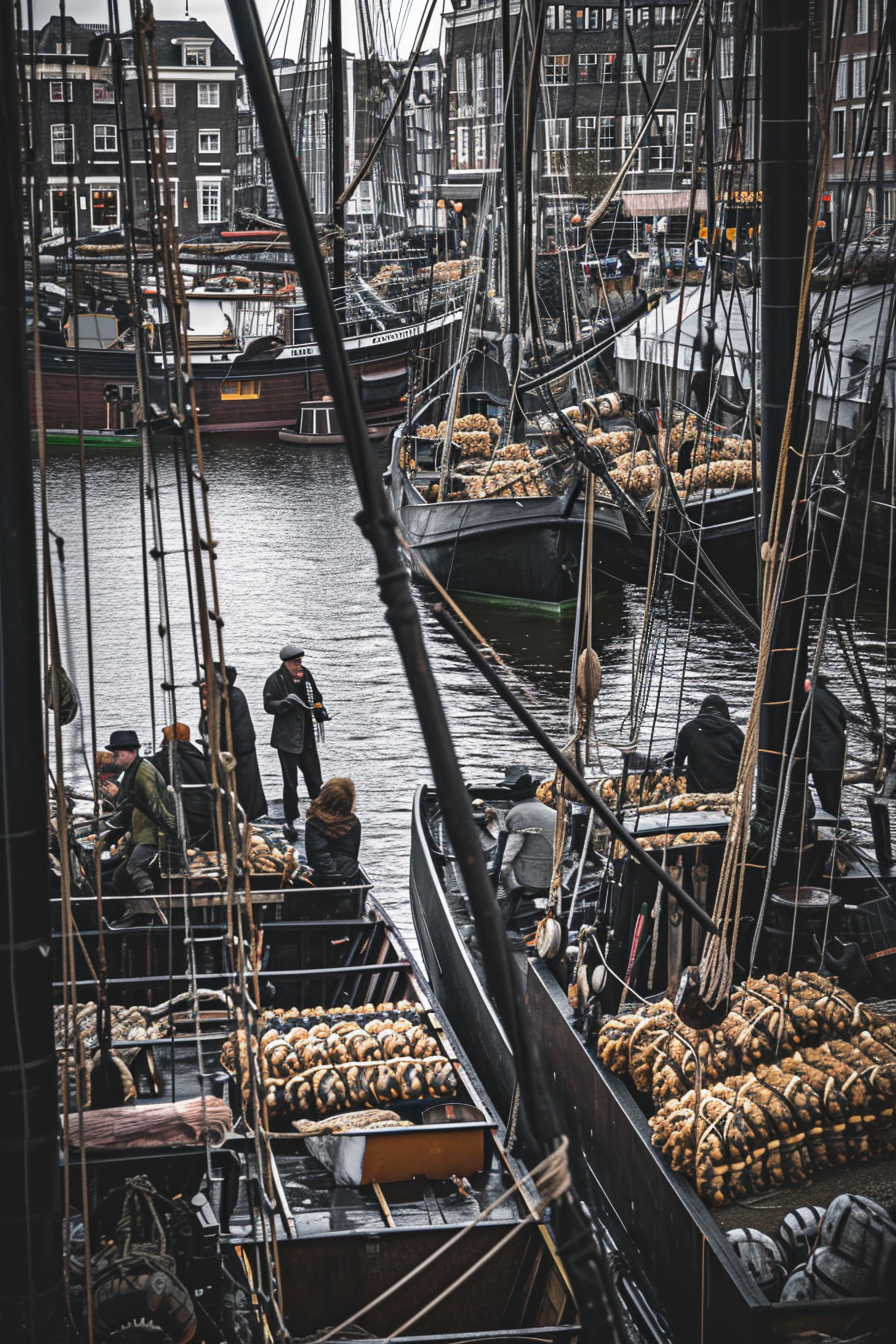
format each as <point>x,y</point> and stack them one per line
<point>827,732</point>
<point>291,721</point>
<point>711,744</point>
<point>334,859</point>
<point>249,788</point>
<point>197,803</point>
<point>141,805</point>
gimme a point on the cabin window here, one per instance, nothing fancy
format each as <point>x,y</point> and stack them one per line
<point>104,207</point>
<point>209,142</point>
<point>241,389</point>
<point>838,132</point>
<point>60,90</point>
<point>208,95</point>
<point>209,201</point>
<point>692,63</point>
<point>196,55</point>
<point>103,93</point>
<point>62,144</point>
<point>167,93</point>
<point>556,69</point>
<point>105,139</point>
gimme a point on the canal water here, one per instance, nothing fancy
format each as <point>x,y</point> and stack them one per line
<point>293,566</point>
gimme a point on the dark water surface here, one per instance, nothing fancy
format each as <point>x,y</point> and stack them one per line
<point>292,565</point>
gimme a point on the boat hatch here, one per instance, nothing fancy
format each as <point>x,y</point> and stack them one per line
<point>318,418</point>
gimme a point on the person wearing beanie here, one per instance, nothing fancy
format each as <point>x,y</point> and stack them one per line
<point>292,696</point>
<point>333,835</point>
<point>711,745</point>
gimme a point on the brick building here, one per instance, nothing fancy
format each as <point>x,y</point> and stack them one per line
<point>76,127</point>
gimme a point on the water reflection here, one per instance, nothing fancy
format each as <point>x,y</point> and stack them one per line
<point>292,565</point>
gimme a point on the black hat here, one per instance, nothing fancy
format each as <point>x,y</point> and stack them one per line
<point>124,739</point>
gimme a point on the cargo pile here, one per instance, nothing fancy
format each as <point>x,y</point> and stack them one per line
<point>798,1077</point>
<point>650,786</point>
<point>276,861</point>
<point>317,1063</point>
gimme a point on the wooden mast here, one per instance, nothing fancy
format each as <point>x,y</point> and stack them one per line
<point>31,1300</point>
<point>337,148</point>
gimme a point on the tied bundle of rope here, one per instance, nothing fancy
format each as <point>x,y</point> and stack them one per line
<point>136,1276</point>
<point>551,1178</point>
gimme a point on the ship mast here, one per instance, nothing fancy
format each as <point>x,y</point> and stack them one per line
<point>337,148</point>
<point>31,1303</point>
<point>784,152</point>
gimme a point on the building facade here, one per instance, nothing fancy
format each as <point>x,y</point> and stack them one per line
<point>76,128</point>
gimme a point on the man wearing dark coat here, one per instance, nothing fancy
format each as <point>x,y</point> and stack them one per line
<point>142,809</point>
<point>827,744</point>
<point>249,788</point>
<point>711,744</point>
<point>292,696</point>
<point>191,772</point>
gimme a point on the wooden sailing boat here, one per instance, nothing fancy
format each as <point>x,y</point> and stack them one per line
<point>599,952</point>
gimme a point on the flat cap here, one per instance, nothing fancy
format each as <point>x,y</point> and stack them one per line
<point>291,651</point>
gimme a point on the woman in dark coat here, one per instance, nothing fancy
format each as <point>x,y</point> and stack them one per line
<point>249,788</point>
<point>333,835</point>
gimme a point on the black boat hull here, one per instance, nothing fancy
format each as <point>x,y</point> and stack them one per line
<point>519,552</point>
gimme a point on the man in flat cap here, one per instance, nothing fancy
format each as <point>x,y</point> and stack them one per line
<point>142,810</point>
<point>291,695</point>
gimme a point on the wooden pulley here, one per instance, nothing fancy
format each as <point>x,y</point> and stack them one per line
<point>548,938</point>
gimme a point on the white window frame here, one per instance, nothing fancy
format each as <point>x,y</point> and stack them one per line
<point>856,119</point>
<point>689,130</point>
<point>202,49</point>
<point>208,93</point>
<point>861,16</point>
<point>590,62</point>
<point>203,183</point>
<point>556,143</point>
<point>631,63</point>
<point>58,227</point>
<point>662,61</point>
<point>480,145</point>
<point>609,67</point>
<point>726,56</point>
<point>859,76</point>
<point>463,148</point>
<point>556,69</point>
<point>62,134</point>
<point>884,129</point>
<point>104,131</point>
<point>665,152</point>
<point>631,127</point>
<point>605,126</point>
<point>841,87</point>
<point>243,137</point>
<point>693,61</point>
<point>61,90</point>
<point>586,132</point>
<point>460,75</point>
<point>103,92</point>
<point>93,187</point>
<point>210,130</point>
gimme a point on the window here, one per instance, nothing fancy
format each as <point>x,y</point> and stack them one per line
<point>661,143</point>
<point>630,128</point>
<point>103,93</point>
<point>556,16</point>
<point>859,76</point>
<point>208,95</point>
<point>727,11</point>
<point>480,146</point>
<point>586,132</point>
<point>209,142</point>
<point>608,69</point>
<point>726,57</point>
<point>662,61</point>
<point>841,88</point>
<point>632,72</point>
<point>861,16</point>
<point>556,69</point>
<point>857,117</point>
<point>692,65</point>
<point>209,201</point>
<point>169,140</point>
<point>463,148</point>
<point>104,207</point>
<point>838,132</point>
<point>607,133</point>
<point>62,144</point>
<point>889,204</point>
<point>60,91</point>
<point>105,139</point>
<point>556,145</point>
<point>689,130</point>
<point>588,65</point>
<point>594,19</point>
<point>241,389</point>
<point>196,55</point>
<point>460,75</point>
<point>883,127</point>
<point>62,218</point>
<point>244,139</point>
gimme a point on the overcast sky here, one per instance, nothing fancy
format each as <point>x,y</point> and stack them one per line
<point>214,12</point>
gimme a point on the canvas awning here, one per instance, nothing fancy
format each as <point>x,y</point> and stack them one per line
<point>661,202</point>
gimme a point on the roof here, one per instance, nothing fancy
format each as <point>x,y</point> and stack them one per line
<point>171,34</point>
